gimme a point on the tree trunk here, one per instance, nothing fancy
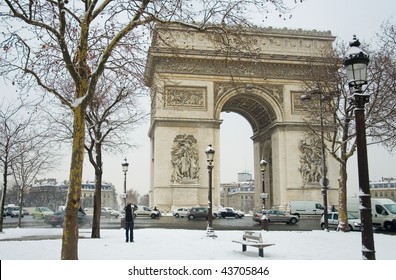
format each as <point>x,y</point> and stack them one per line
<point>70,229</point>
<point>342,198</point>
<point>4,194</point>
<point>343,191</point>
<point>98,192</point>
<point>20,207</point>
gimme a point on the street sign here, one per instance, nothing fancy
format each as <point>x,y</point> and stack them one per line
<point>324,182</point>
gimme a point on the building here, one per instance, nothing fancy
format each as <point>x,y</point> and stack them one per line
<point>46,193</point>
<point>240,195</point>
<point>386,188</point>
<point>245,177</point>
<point>51,194</point>
<point>108,193</point>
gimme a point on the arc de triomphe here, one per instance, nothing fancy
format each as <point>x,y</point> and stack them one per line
<point>193,79</point>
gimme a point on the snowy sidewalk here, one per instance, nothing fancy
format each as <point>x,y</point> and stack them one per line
<point>165,244</point>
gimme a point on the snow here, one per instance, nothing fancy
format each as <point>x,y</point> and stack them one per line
<point>78,101</point>
<point>170,247</point>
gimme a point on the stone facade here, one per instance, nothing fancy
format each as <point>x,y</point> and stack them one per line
<point>193,78</point>
<point>239,195</point>
<point>384,189</point>
<point>53,195</point>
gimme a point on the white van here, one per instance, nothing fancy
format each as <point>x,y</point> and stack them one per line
<point>142,211</point>
<point>383,211</point>
<point>305,207</point>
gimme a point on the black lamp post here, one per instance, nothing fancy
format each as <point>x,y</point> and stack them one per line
<point>210,155</point>
<point>125,165</point>
<point>263,166</point>
<point>324,182</point>
<point>355,63</point>
<point>264,219</point>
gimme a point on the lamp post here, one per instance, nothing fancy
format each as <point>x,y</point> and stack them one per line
<point>355,63</point>
<point>125,165</point>
<point>263,166</point>
<point>209,155</point>
<point>324,181</point>
<point>264,219</point>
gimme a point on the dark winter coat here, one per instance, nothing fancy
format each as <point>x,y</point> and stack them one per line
<point>129,212</point>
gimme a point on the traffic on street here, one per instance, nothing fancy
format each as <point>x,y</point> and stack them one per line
<point>307,223</point>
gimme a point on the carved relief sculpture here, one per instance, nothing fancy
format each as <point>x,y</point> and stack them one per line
<point>193,97</point>
<point>310,160</point>
<point>184,159</point>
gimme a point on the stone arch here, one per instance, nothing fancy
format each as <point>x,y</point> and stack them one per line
<point>197,81</point>
<point>256,103</point>
<point>261,107</point>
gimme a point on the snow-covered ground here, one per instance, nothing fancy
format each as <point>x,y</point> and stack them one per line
<point>160,244</point>
<point>158,247</point>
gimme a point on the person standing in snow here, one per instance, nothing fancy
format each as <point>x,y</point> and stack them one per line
<point>129,222</point>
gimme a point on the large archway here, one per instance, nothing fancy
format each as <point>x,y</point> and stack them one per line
<point>192,83</point>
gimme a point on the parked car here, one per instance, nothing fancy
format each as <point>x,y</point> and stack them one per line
<point>58,218</point>
<point>198,213</point>
<point>41,212</point>
<point>105,214</point>
<point>180,212</point>
<point>354,222</point>
<point>256,217</point>
<point>276,216</point>
<point>109,212</point>
<point>7,210</point>
<point>230,212</point>
<point>13,211</point>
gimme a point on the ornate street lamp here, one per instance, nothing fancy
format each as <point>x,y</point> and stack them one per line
<point>355,63</point>
<point>264,219</point>
<point>210,155</point>
<point>125,165</point>
<point>263,167</point>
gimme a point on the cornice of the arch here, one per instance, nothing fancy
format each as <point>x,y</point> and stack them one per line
<point>270,67</point>
<point>255,51</point>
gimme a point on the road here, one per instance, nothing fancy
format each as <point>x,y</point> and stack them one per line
<point>223,224</point>
<point>170,222</point>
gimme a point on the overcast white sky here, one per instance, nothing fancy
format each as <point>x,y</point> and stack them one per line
<point>343,19</point>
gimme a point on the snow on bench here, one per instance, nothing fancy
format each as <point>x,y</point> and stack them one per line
<point>254,239</point>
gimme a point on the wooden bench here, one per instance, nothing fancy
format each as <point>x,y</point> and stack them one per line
<point>254,239</point>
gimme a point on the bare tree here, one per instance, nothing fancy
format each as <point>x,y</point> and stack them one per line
<point>144,200</point>
<point>48,43</point>
<point>133,196</point>
<point>329,83</point>
<point>383,85</point>
<point>16,126</point>
<point>330,107</point>
<point>113,112</point>
<point>35,156</point>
